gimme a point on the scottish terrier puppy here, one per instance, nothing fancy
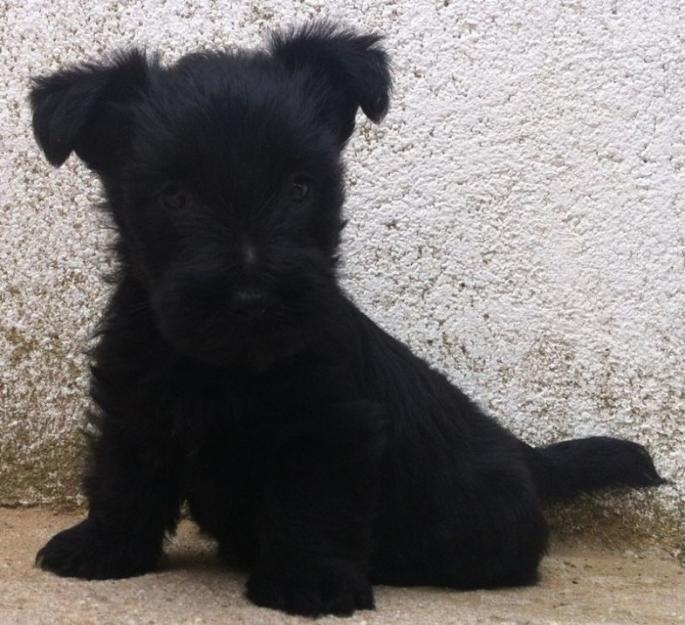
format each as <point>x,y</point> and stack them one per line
<point>233,373</point>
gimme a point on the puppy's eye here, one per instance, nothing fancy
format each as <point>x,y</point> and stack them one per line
<point>173,197</point>
<point>300,189</point>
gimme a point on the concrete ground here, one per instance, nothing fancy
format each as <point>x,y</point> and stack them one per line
<point>582,584</point>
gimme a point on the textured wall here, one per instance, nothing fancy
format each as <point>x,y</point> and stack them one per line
<point>517,218</point>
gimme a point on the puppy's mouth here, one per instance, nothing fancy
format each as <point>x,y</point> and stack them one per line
<point>213,340</point>
<point>257,336</point>
<point>250,305</point>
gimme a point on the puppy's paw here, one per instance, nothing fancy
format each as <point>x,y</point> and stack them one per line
<point>81,552</point>
<point>312,589</point>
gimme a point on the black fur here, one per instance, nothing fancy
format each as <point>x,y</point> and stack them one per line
<point>232,372</point>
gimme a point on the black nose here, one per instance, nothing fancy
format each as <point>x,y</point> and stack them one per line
<point>250,302</point>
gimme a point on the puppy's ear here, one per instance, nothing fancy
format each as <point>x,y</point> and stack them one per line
<point>343,70</point>
<point>87,109</point>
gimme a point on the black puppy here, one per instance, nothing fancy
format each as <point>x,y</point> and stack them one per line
<point>233,373</point>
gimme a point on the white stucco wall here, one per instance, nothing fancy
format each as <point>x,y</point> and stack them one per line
<point>518,217</point>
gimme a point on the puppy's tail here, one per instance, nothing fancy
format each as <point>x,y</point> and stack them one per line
<point>563,470</point>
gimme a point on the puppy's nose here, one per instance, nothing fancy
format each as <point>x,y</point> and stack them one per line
<point>250,302</point>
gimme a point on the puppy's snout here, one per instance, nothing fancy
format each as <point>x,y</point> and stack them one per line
<point>250,302</point>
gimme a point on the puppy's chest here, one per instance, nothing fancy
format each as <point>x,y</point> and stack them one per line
<point>239,417</point>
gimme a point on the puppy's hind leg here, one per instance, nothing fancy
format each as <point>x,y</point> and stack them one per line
<point>503,542</point>
<point>486,534</point>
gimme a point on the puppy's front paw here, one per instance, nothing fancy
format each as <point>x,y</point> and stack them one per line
<point>81,552</point>
<point>312,589</point>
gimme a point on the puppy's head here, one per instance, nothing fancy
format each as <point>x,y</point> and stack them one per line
<point>223,176</point>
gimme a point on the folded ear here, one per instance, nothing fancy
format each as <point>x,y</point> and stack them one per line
<point>87,109</point>
<point>344,70</point>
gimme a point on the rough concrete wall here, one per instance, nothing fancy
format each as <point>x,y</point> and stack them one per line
<point>517,218</point>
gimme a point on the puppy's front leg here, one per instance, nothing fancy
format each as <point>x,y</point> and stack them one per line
<point>319,502</point>
<point>133,499</point>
